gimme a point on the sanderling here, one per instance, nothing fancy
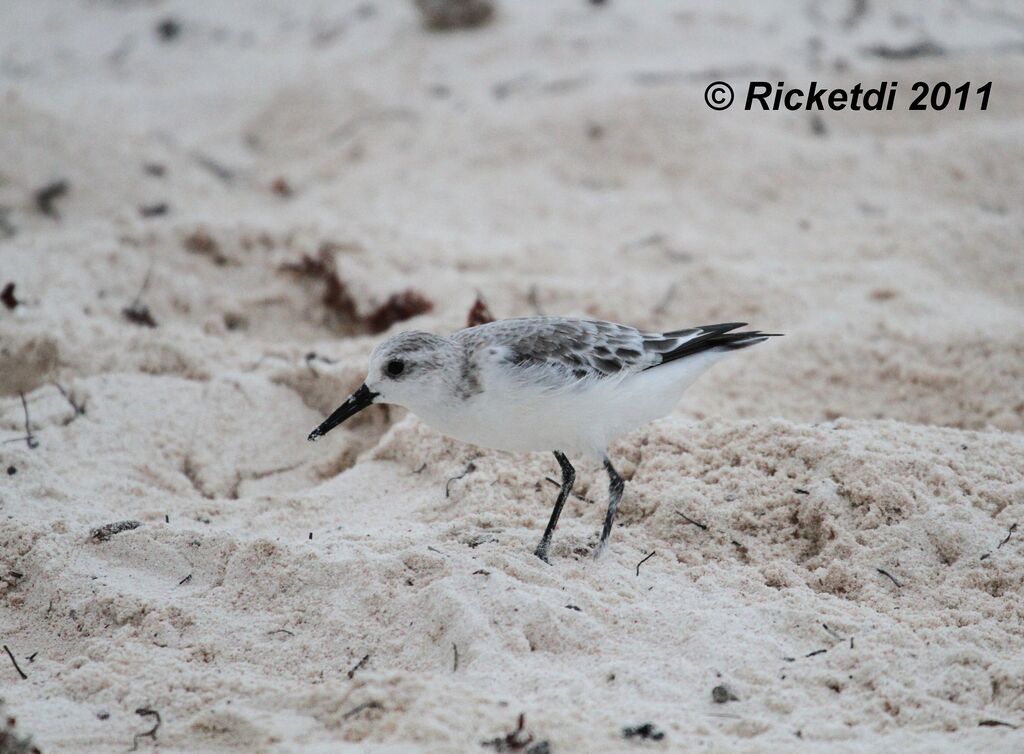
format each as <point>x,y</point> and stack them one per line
<point>569,386</point>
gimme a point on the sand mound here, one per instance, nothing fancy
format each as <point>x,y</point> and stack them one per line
<point>825,530</point>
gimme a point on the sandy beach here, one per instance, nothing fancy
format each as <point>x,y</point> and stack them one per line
<point>211,213</point>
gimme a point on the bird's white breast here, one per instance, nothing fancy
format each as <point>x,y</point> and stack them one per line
<point>513,412</point>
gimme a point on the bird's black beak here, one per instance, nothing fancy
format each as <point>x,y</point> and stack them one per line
<point>356,402</point>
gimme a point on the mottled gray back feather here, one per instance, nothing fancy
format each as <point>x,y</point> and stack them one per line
<point>580,349</point>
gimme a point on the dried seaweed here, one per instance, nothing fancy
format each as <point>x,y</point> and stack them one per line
<point>397,308</point>
<point>518,740</point>
<point>103,533</point>
<point>479,314</point>
<point>645,732</point>
<point>8,298</point>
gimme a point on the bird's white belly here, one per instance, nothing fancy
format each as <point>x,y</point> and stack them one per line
<point>508,415</point>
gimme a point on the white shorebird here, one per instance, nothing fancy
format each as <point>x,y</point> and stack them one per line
<point>569,386</point>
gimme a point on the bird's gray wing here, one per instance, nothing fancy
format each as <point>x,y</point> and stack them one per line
<point>561,350</point>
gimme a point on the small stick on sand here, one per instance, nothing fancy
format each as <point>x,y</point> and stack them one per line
<point>136,312</point>
<point>832,632</point>
<point>359,708</point>
<point>15,663</point>
<point>653,553</point>
<point>358,665</point>
<point>689,520</point>
<point>1013,528</point>
<point>816,652</point>
<point>30,439</point>
<point>513,740</point>
<point>890,577</point>
<point>151,733</point>
<point>447,485</point>
<point>455,661</point>
<point>79,408</point>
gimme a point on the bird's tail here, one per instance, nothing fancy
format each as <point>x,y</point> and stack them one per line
<point>715,338</point>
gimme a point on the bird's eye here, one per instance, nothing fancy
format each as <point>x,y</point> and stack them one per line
<point>395,367</point>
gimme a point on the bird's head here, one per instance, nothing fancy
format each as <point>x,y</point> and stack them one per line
<point>411,369</point>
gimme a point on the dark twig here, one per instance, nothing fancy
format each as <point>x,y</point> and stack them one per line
<point>816,652</point>
<point>360,707</point>
<point>512,741</point>
<point>889,576</point>
<point>151,733</point>
<point>32,657</point>
<point>653,553</point>
<point>15,663</point>
<point>358,666</point>
<point>447,485</point>
<point>996,724</point>
<point>30,439</point>
<point>220,171</point>
<point>833,633</point>
<point>137,312</point>
<point>455,659</point>
<point>79,408</point>
<point>282,631</point>
<point>1013,528</point>
<point>185,580</point>
<point>691,521</point>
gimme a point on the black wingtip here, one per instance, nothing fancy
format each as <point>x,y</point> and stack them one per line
<point>717,337</point>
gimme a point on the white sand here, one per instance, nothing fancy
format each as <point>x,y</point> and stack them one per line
<point>571,165</point>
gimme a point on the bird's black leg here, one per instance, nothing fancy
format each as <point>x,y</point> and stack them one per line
<point>615,489</point>
<point>568,477</point>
